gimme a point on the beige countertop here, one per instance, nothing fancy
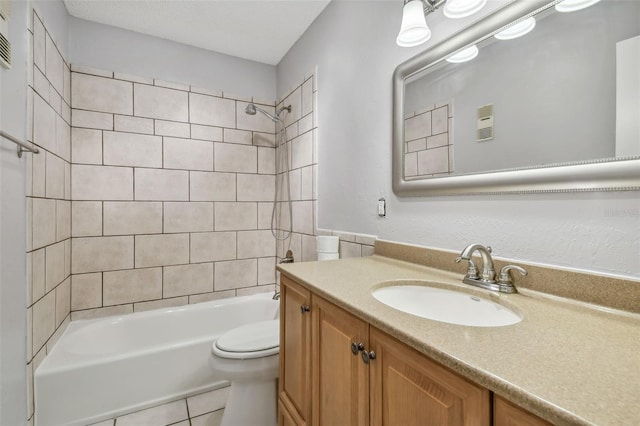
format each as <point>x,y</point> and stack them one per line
<point>565,363</point>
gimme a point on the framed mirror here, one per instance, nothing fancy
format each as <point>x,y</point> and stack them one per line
<point>555,110</point>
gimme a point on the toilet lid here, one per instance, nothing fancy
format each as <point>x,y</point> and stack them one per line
<point>250,341</point>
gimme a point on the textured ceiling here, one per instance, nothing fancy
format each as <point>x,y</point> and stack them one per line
<point>259,30</point>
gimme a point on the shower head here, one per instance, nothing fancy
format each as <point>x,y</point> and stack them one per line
<point>251,110</point>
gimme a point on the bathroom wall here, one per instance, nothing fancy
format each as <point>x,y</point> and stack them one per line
<point>172,187</point>
<point>106,47</point>
<point>353,45</point>
<point>48,199</point>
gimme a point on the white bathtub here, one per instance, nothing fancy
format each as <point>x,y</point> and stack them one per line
<point>103,368</point>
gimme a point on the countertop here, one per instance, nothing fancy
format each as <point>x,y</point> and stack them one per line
<point>568,364</point>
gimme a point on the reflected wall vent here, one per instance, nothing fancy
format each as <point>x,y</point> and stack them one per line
<point>5,45</point>
<point>485,123</point>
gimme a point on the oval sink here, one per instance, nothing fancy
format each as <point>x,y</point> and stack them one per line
<point>448,306</point>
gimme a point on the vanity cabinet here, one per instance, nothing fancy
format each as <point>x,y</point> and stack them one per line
<point>507,414</point>
<point>362,376</point>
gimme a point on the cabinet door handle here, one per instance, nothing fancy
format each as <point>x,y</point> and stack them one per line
<point>368,356</point>
<point>357,347</point>
<point>304,309</point>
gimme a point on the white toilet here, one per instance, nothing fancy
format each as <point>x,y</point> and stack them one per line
<point>248,357</point>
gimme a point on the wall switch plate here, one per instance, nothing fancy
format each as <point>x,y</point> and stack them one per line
<point>382,207</point>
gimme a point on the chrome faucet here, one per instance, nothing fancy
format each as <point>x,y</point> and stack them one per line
<point>288,257</point>
<point>487,278</point>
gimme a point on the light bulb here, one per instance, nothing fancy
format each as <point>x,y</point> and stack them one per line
<point>414,30</point>
<point>462,8</point>
<point>464,55</point>
<point>517,30</point>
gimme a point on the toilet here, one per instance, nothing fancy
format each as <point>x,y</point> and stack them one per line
<point>248,357</point>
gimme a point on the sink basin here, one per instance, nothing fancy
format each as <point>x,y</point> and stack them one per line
<point>448,306</point>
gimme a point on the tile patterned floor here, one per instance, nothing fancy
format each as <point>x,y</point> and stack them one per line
<point>204,409</point>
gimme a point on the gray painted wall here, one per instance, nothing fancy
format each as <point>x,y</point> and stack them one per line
<point>553,91</point>
<point>353,45</point>
<point>13,213</point>
<point>110,48</point>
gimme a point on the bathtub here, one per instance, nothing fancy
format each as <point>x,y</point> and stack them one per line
<point>103,368</point>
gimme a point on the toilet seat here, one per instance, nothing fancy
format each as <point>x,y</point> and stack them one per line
<point>255,340</point>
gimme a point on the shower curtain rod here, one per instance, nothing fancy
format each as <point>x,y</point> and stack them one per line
<point>22,147</point>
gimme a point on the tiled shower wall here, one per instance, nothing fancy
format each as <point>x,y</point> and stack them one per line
<point>48,199</point>
<point>172,188</point>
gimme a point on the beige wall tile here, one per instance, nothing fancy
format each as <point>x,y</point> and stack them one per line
<point>238,136</point>
<point>264,215</point>
<point>166,414</point>
<point>162,250</point>
<point>256,244</point>
<point>67,181</point>
<point>161,185</point>
<point>125,123</point>
<point>38,286</point>
<point>94,254</point>
<point>63,138</point>
<point>411,164</point>
<point>264,139</point>
<point>126,218</point>
<point>44,222</point>
<point>66,95</point>
<point>236,216</point>
<point>307,183</point>
<point>44,320</point>
<point>249,291</point>
<point>44,124</point>
<point>302,151</point>
<point>211,111</point>
<point>101,183</point>
<point>235,274</point>
<point>206,133</point>
<point>417,127</point>
<point>256,187</point>
<point>188,217</point>
<point>258,122</point>
<point>86,146</point>
<point>172,128</point>
<point>266,160</point>
<point>439,140</point>
<point>439,120</point>
<point>206,297</point>
<point>295,182</point>
<point>101,94</point>
<point>102,312</point>
<point>209,419</point>
<point>67,257</point>
<point>308,253</point>
<point>92,71</point>
<point>131,149</point>
<point>206,91</point>
<point>188,154</point>
<point>134,78</point>
<point>235,158</point>
<point>86,291</point>
<point>63,301</point>
<point>160,304</point>
<point>39,43</point>
<point>213,246</point>
<point>158,102</point>
<point>212,186</point>
<point>54,176</point>
<point>267,269</point>
<point>130,286</point>
<point>86,218</point>
<point>171,85</point>
<point>63,220</point>
<point>348,250</point>
<point>38,174</point>
<point>295,100</point>
<point>54,66</point>
<point>91,119</point>
<point>433,161</point>
<point>187,279</point>
<point>303,217</point>
<point>307,97</point>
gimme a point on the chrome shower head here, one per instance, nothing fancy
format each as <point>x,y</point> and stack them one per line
<point>251,110</point>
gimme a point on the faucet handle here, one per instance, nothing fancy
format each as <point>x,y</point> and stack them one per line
<point>472,270</point>
<point>505,277</point>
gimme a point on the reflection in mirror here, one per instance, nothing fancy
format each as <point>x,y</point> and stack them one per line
<point>566,91</point>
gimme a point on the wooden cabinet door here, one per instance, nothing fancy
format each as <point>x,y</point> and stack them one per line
<point>295,349</point>
<point>409,389</point>
<point>507,414</point>
<point>340,377</point>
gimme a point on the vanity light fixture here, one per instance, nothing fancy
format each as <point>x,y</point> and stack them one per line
<point>573,5</point>
<point>517,30</point>
<point>463,55</point>
<point>456,9</point>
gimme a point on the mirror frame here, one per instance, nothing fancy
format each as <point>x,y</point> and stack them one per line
<point>598,175</point>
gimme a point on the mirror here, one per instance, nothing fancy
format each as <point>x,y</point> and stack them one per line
<point>557,109</point>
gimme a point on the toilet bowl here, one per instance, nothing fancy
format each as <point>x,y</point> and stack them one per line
<point>248,357</point>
